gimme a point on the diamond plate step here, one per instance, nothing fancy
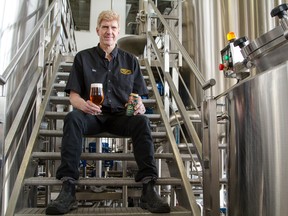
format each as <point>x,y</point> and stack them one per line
<point>129,211</point>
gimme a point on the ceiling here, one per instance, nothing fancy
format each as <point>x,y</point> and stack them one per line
<point>81,13</point>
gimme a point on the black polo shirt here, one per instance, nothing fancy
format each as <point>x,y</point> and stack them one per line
<point>120,76</point>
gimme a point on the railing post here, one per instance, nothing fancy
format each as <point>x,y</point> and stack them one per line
<point>180,37</point>
<point>210,161</point>
<point>166,70</point>
<point>148,49</point>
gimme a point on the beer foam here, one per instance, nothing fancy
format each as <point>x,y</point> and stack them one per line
<point>96,85</point>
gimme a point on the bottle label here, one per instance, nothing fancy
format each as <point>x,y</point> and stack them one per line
<point>130,106</point>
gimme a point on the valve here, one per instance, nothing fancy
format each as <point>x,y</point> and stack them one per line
<point>281,12</point>
<point>241,42</point>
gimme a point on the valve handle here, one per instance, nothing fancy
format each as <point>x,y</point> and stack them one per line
<point>280,11</point>
<point>240,41</point>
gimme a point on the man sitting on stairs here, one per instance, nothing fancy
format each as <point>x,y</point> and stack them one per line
<point>120,74</point>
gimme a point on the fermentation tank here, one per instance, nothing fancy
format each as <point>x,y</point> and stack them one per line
<point>257,108</point>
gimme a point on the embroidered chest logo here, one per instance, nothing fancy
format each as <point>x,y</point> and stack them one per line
<point>125,71</point>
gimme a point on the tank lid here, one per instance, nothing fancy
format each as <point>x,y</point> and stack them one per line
<point>264,43</point>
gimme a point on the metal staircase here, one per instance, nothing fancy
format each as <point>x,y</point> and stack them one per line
<point>116,190</point>
<point>103,189</point>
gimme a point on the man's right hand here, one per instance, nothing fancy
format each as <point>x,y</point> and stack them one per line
<point>91,108</point>
<point>85,106</point>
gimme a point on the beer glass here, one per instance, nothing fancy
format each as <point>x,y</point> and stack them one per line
<point>96,93</point>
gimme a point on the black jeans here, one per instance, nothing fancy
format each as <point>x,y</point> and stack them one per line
<point>77,124</point>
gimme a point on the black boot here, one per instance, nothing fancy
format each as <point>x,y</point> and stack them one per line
<point>151,201</point>
<point>65,201</point>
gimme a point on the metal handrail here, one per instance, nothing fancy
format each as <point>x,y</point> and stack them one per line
<point>9,69</point>
<point>204,84</point>
<point>29,149</point>
<point>179,102</point>
<point>185,181</point>
<point>20,118</point>
<point>191,202</point>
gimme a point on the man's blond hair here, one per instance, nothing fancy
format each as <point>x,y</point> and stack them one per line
<point>107,15</point>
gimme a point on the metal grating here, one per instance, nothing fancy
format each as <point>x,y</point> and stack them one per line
<point>134,211</point>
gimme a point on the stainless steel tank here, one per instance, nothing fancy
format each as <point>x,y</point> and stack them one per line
<point>257,167</point>
<point>258,173</point>
<point>205,25</point>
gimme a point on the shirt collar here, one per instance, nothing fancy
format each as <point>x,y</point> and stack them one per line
<point>101,52</point>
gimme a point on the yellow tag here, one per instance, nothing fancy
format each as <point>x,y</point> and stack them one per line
<point>125,71</point>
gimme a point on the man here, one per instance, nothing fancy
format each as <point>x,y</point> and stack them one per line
<point>120,74</point>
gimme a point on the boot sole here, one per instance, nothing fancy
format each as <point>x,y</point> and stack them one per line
<point>53,210</point>
<point>162,209</point>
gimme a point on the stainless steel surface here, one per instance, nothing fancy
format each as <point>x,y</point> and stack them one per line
<point>211,199</point>
<point>262,41</point>
<point>205,84</point>
<point>16,25</point>
<point>134,211</point>
<point>17,22</point>
<point>258,145</point>
<point>190,201</point>
<point>134,44</point>
<point>22,81</point>
<point>192,132</point>
<point>205,25</point>
<point>203,38</point>
<point>268,50</point>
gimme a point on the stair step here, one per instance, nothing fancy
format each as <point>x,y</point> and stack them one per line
<point>98,156</point>
<point>129,211</point>
<point>65,100</point>
<point>104,156</point>
<point>67,58</point>
<point>66,66</point>
<point>61,115</point>
<point>61,86</point>
<point>93,181</point>
<point>63,75</point>
<point>59,133</point>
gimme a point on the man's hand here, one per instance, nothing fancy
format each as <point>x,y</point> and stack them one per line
<point>91,108</point>
<point>139,108</point>
<point>85,106</point>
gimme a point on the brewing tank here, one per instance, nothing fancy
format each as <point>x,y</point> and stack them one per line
<point>257,107</point>
<point>258,145</point>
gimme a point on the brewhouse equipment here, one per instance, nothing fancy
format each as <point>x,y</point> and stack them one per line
<point>257,108</point>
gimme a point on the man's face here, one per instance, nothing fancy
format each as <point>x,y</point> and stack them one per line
<point>108,32</point>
